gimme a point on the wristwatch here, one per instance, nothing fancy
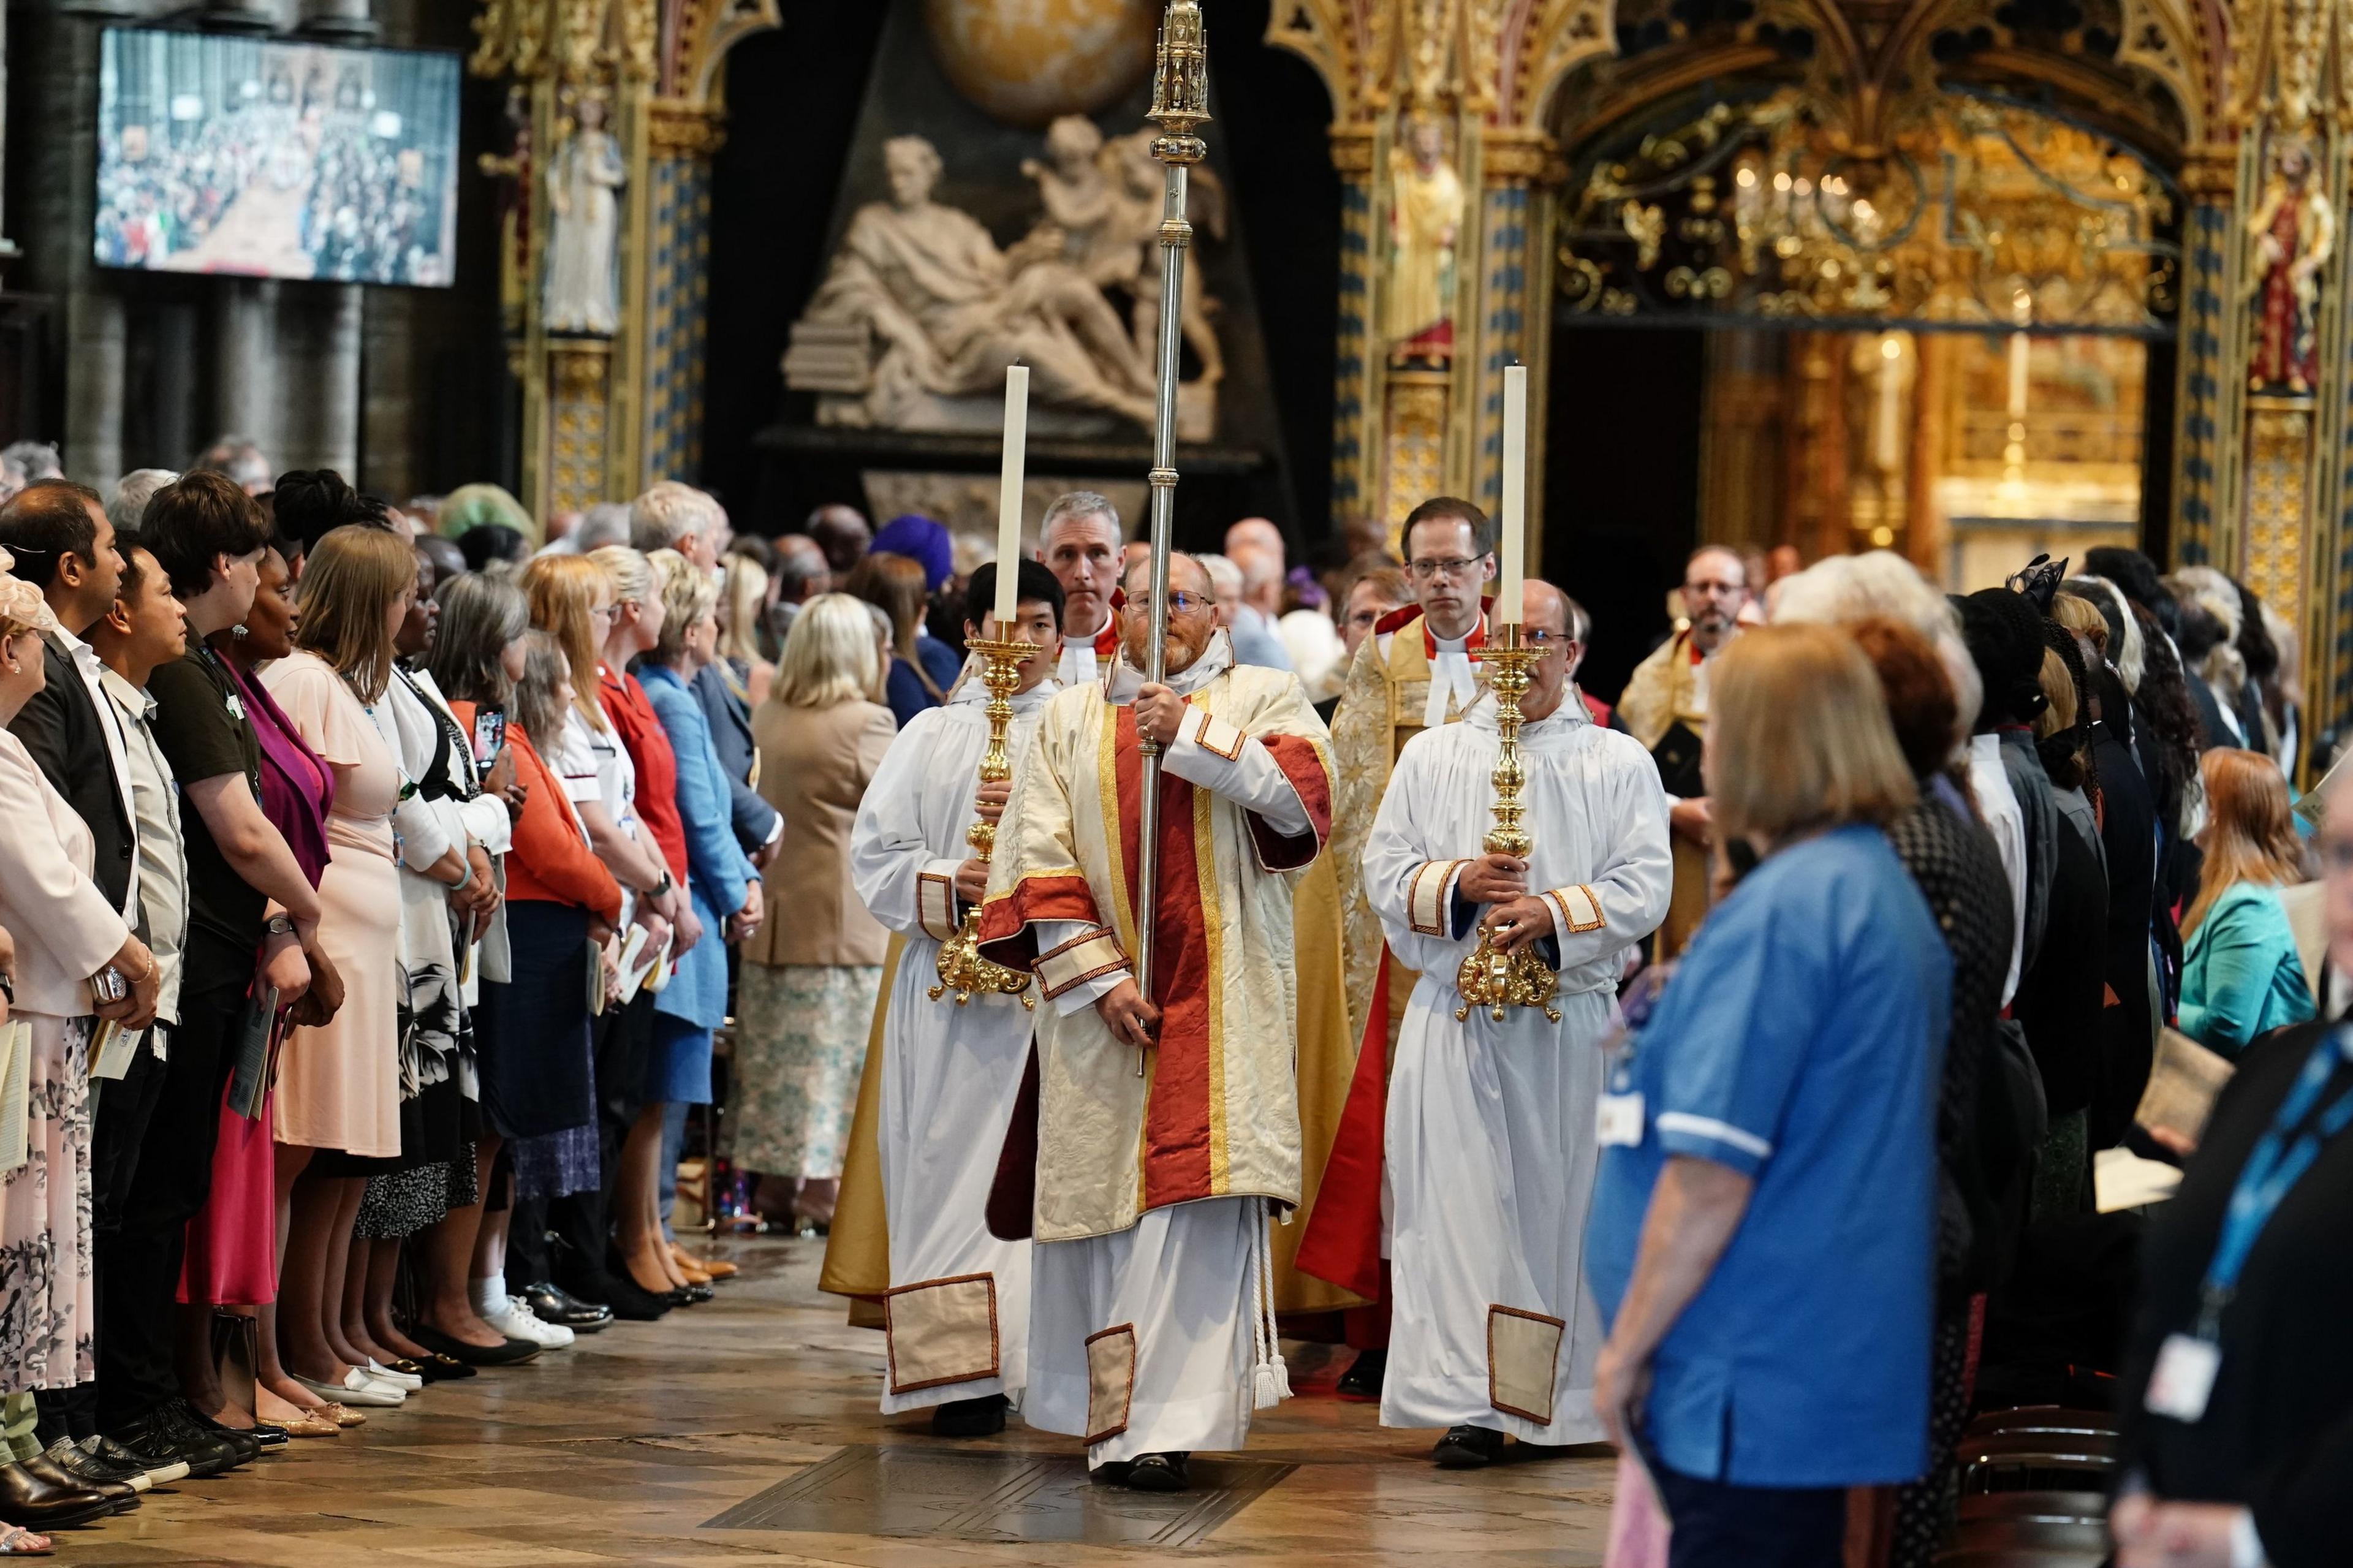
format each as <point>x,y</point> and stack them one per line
<point>661,889</point>
<point>278,925</point>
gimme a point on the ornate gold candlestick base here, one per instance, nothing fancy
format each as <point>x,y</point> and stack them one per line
<point>961,968</point>
<point>1490,978</point>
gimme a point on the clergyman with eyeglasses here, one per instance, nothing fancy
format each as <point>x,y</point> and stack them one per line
<point>1665,708</point>
<point>1150,1332</point>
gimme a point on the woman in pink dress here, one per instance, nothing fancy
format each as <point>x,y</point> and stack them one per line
<point>338,1099</point>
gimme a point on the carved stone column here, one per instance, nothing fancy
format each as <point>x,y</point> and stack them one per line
<point>682,136</point>
<point>1355,491</point>
<point>2212,339</point>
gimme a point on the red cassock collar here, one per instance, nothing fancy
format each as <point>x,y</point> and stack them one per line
<point>1397,620</point>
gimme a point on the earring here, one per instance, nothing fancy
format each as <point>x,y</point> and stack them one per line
<point>237,634</point>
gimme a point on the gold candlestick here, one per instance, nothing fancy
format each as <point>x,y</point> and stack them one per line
<point>961,968</point>
<point>1490,978</point>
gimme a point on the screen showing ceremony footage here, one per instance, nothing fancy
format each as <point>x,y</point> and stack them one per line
<point>270,159</point>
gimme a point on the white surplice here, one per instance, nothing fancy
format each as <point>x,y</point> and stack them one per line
<point>950,1073</point>
<point>1490,1130</point>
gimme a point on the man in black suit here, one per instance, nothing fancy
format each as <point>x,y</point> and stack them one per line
<point>64,544</point>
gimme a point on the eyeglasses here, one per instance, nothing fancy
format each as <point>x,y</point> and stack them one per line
<point>1458,569</point>
<point>1180,603</point>
<point>1712,586</point>
<point>605,612</point>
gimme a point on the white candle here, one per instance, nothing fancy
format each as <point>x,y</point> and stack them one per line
<point>1008,498</point>
<point>1515,493</point>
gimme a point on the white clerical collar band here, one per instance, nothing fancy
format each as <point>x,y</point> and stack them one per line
<point>936,905</point>
<point>1087,956</point>
<point>1716,1131</point>
<point>1126,680</point>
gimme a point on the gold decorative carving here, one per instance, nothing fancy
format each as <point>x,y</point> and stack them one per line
<point>1753,209</point>
<point>1416,465</point>
<point>2279,462</point>
<point>682,128</point>
<point>2162,38</point>
<point>1352,148</point>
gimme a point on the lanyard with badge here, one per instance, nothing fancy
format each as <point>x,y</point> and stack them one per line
<point>1618,1115</point>
<point>2183,1379</point>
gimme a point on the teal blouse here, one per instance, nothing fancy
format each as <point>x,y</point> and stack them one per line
<point>2239,975</point>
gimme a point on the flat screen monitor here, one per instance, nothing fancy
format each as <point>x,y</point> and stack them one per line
<point>272,158</point>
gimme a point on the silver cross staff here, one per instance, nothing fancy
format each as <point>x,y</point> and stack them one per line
<point>1180,104</point>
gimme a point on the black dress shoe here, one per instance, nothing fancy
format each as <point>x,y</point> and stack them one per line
<point>246,1442</point>
<point>510,1353</point>
<point>1362,1379</point>
<point>439,1368</point>
<point>1467,1448</point>
<point>981,1417</point>
<point>156,1440</point>
<point>31,1499</point>
<point>550,1305</point>
<point>120,1499</point>
<point>1159,1473</point>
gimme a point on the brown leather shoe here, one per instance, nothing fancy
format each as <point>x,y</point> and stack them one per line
<point>54,1468</point>
<point>29,1498</point>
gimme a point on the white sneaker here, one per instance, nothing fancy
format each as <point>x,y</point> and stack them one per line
<point>518,1321</point>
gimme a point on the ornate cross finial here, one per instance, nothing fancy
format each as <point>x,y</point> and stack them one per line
<point>1180,77</point>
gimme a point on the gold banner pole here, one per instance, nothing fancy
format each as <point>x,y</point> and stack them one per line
<point>1180,104</point>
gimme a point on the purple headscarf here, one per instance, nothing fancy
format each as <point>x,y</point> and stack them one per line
<point>920,540</point>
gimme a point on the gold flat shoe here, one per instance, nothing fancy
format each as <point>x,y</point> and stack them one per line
<point>710,1268</point>
<point>342,1414</point>
<point>311,1425</point>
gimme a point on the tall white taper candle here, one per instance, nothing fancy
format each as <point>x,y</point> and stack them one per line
<point>1008,498</point>
<point>1515,493</point>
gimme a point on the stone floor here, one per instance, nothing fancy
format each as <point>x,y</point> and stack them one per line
<point>759,1407</point>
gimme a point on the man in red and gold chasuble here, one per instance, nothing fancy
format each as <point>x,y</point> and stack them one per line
<point>1151,1328</point>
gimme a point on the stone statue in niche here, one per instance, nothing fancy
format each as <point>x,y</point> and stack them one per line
<point>1426,206</point>
<point>1102,201</point>
<point>2294,232</point>
<point>947,311</point>
<point>584,199</point>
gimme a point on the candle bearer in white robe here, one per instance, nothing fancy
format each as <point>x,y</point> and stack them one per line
<point>1150,1332</point>
<point>1489,1131</point>
<point>956,1317</point>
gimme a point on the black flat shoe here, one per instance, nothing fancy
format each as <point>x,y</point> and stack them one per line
<point>1159,1473</point>
<point>1467,1448</point>
<point>1364,1374</point>
<point>439,1368</point>
<point>981,1417</point>
<point>550,1305</point>
<point>512,1353</point>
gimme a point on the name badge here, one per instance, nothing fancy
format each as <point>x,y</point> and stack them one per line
<point>1619,1119</point>
<point>2184,1377</point>
<point>236,707</point>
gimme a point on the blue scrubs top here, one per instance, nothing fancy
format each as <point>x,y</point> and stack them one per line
<point>1799,1042</point>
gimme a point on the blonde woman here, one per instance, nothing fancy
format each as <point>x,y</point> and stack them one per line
<point>806,992</point>
<point>1788,1071</point>
<point>742,600</point>
<point>577,602</point>
<point>338,1102</point>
